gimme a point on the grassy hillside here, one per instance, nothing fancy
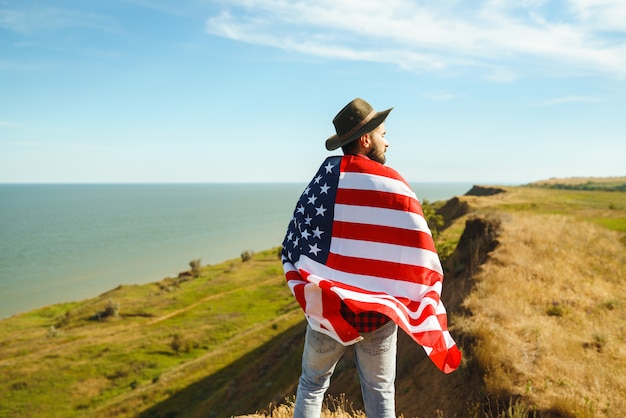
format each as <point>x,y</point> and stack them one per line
<point>536,294</point>
<point>137,346</point>
<point>584,183</point>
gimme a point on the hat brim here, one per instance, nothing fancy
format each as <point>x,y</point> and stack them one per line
<point>335,142</point>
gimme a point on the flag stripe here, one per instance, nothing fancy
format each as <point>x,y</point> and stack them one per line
<point>382,199</point>
<point>383,269</point>
<point>417,257</point>
<point>413,322</point>
<point>345,279</point>
<point>384,234</point>
<point>380,216</point>
<point>365,166</point>
<point>366,181</point>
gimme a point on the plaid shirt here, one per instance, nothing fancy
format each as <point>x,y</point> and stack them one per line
<point>365,321</point>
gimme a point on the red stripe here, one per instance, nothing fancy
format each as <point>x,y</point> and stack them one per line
<point>378,199</point>
<point>443,321</point>
<point>361,164</point>
<point>383,234</point>
<point>384,269</point>
<point>298,289</point>
<point>359,306</point>
<point>292,275</point>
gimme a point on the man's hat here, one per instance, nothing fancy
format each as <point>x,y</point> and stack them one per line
<point>354,120</point>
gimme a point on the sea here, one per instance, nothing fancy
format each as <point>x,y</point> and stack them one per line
<point>69,242</point>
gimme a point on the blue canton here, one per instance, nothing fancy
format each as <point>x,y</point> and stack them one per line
<point>310,229</point>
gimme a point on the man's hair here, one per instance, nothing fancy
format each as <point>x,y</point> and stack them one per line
<point>351,147</point>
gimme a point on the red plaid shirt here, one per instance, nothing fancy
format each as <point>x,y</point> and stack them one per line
<point>365,321</point>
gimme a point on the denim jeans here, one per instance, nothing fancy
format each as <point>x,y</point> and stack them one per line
<point>375,357</point>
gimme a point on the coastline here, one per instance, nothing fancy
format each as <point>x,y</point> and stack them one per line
<point>69,243</point>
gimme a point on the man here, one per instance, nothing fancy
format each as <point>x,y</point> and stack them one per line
<point>359,258</point>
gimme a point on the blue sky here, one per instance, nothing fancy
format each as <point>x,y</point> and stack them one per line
<point>245,90</point>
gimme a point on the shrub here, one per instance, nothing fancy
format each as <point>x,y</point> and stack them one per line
<point>555,309</point>
<point>111,309</point>
<point>246,255</point>
<point>195,267</point>
<point>181,344</point>
<point>434,220</point>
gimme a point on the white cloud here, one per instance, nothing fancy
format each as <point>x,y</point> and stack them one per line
<point>604,15</point>
<point>531,36</point>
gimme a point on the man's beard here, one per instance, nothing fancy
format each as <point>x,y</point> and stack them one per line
<point>377,155</point>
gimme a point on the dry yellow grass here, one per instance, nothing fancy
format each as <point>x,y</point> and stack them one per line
<point>333,408</point>
<point>581,180</point>
<point>544,323</point>
<point>548,318</point>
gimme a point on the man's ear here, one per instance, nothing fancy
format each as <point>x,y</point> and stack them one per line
<point>365,140</point>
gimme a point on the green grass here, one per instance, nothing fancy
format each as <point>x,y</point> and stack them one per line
<point>84,365</point>
<point>604,208</point>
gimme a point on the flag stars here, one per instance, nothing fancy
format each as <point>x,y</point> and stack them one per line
<point>301,209</point>
<point>329,168</point>
<point>295,242</point>
<point>308,220</point>
<point>305,234</point>
<point>312,199</point>
<point>317,233</point>
<point>324,188</point>
<point>317,179</point>
<point>320,210</point>
<point>307,190</point>
<point>313,249</point>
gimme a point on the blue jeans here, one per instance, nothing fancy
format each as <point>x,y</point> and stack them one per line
<point>375,361</point>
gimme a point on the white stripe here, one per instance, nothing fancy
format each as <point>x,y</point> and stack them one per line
<point>430,323</point>
<point>387,301</point>
<point>287,267</point>
<point>313,298</point>
<point>386,252</point>
<point>362,181</point>
<point>391,287</point>
<point>380,216</point>
<point>324,326</point>
<point>315,313</point>
<point>318,322</point>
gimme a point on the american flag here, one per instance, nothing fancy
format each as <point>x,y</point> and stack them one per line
<point>358,234</point>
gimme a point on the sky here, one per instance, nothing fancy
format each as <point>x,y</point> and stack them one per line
<point>155,91</point>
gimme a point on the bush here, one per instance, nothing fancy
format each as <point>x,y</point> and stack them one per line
<point>434,220</point>
<point>195,267</point>
<point>181,344</point>
<point>246,255</point>
<point>111,309</point>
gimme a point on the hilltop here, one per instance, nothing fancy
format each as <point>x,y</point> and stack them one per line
<point>535,288</point>
<point>584,183</point>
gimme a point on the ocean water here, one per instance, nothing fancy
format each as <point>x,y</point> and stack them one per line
<point>61,243</point>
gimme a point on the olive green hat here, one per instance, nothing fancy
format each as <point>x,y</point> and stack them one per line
<point>357,118</point>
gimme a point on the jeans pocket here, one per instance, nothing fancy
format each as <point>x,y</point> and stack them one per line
<point>379,341</point>
<point>319,342</point>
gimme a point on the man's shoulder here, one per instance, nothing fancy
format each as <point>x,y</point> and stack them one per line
<point>361,163</point>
